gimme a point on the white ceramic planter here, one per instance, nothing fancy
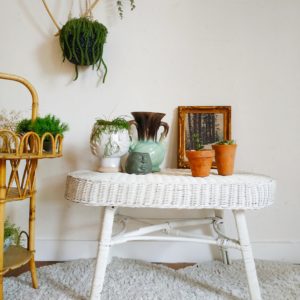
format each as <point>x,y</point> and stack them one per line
<point>109,148</point>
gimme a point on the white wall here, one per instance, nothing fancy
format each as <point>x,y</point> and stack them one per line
<point>164,54</point>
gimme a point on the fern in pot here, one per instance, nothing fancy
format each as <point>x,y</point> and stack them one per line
<point>225,155</point>
<point>41,125</point>
<point>200,159</point>
<point>109,141</point>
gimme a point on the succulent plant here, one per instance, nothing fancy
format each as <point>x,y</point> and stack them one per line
<point>226,142</point>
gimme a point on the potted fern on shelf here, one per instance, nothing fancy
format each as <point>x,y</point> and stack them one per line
<point>200,159</point>
<point>225,155</point>
<point>41,125</point>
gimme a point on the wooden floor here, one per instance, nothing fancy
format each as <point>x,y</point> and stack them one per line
<point>25,268</point>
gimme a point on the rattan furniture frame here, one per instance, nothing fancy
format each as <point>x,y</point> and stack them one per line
<point>19,155</point>
<point>172,189</point>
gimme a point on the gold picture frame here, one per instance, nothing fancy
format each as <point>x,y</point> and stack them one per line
<point>211,123</point>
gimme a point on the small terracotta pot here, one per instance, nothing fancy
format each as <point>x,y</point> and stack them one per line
<point>200,162</point>
<point>225,155</point>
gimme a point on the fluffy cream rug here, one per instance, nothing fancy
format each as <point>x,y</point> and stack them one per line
<point>137,280</point>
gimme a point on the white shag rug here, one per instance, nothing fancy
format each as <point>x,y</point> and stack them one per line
<point>136,280</point>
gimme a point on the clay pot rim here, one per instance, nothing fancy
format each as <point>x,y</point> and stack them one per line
<point>201,153</point>
<point>223,146</point>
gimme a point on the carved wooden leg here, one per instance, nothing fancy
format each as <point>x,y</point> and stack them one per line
<point>103,251</point>
<point>32,241</point>
<point>224,252</point>
<point>244,240</point>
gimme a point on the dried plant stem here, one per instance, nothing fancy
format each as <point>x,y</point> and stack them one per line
<point>92,6</point>
<point>87,12</point>
<point>50,15</point>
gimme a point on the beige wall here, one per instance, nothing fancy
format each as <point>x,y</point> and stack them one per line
<point>164,54</point>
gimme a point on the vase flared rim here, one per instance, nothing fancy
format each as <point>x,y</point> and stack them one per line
<point>147,112</point>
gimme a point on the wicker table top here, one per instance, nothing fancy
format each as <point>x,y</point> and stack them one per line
<point>171,188</point>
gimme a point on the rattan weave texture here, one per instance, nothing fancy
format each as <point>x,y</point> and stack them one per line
<point>172,188</point>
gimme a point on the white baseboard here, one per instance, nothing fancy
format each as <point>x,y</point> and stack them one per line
<point>62,250</point>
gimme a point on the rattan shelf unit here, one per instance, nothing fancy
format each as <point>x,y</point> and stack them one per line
<point>19,155</point>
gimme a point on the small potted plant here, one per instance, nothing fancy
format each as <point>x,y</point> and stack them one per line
<point>225,155</point>
<point>109,141</point>
<point>11,234</point>
<point>200,159</point>
<point>42,125</point>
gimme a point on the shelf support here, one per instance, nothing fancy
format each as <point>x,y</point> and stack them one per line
<point>2,217</point>
<point>32,229</point>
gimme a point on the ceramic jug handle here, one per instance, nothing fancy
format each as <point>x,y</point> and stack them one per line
<point>165,132</point>
<point>133,143</point>
<point>132,122</point>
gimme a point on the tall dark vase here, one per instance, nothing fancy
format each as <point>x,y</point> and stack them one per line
<point>147,125</point>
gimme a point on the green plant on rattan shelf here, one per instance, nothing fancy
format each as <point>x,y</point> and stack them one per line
<point>197,142</point>
<point>41,125</point>
<point>82,41</point>
<point>103,126</point>
<point>11,234</point>
<point>226,142</point>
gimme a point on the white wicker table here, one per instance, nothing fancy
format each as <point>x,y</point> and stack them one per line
<point>176,189</point>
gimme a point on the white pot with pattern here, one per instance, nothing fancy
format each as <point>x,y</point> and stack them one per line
<point>109,145</point>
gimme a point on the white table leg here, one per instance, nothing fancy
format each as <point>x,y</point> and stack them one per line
<point>103,252</point>
<point>241,224</point>
<point>224,252</point>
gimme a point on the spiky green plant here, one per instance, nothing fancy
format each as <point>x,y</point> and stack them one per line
<point>226,142</point>
<point>41,125</point>
<point>197,142</point>
<point>82,41</point>
<point>23,126</point>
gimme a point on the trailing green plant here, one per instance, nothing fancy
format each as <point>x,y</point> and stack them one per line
<point>41,125</point>
<point>197,142</point>
<point>11,231</point>
<point>226,142</point>
<point>108,127</point>
<point>102,125</point>
<point>120,7</point>
<point>82,41</point>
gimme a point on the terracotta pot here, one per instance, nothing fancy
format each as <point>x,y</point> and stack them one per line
<point>200,162</point>
<point>225,155</point>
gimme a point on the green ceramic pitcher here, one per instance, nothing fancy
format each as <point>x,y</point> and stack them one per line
<point>147,125</point>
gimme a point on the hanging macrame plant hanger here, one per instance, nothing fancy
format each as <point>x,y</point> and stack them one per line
<point>82,39</point>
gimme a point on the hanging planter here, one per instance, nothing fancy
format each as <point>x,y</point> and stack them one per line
<point>82,39</point>
<point>82,42</point>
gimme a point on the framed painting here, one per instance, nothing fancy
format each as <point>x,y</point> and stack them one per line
<point>209,123</point>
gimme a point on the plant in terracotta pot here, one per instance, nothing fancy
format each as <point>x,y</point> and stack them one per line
<point>200,159</point>
<point>41,125</point>
<point>109,141</point>
<point>225,155</point>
